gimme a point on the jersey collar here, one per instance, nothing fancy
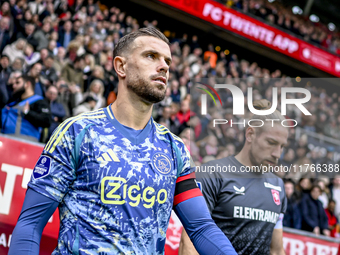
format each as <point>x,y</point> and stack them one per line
<point>125,132</point>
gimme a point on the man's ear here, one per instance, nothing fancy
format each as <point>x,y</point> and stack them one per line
<point>119,64</point>
<point>250,134</point>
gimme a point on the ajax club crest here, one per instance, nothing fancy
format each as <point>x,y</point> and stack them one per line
<point>161,163</point>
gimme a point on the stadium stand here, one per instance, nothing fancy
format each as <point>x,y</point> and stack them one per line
<point>67,48</point>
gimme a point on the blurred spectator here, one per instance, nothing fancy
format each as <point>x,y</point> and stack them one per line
<point>165,118</point>
<point>96,90</point>
<point>335,191</point>
<point>328,160</point>
<point>4,33</point>
<point>26,114</point>
<point>288,157</point>
<point>59,60</point>
<point>210,56</point>
<point>87,105</point>
<point>314,218</point>
<point>28,34</point>
<point>333,224</point>
<point>36,7</point>
<point>325,194</point>
<point>292,217</point>
<point>48,73</point>
<point>66,34</point>
<point>57,110</point>
<point>31,57</point>
<point>73,73</point>
<point>175,92</point>
<point>34,72</point>
<point>15,50</point>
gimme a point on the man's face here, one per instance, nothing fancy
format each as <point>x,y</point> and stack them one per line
<point>48,63</point>
<point>267,146</point>
<point>4,62</point>
<point>36,70</point>
<point>315,193</point>
<point>289,189</point>
<point>147,68</point>
<point>18,85</point>
<point>52,93</point>
<point>29,29</point>
<point>43,53</point>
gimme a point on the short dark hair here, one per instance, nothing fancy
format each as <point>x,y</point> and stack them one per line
<point>29,79</point>
<point>78,59</point>
<point>125,42</point>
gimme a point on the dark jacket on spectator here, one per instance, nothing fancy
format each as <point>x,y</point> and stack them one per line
<point>62,37</point>
<point>313,214</point>
<point>292,217</point>
<point>6,38</point>
<point>30,40</point>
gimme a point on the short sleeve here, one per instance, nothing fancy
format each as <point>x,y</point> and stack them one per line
<point>55,170</point>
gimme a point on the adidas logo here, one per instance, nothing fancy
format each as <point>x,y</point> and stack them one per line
<point>108,156</point>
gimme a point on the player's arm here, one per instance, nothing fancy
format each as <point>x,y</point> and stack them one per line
<point>185,246</point>
<point>193,212</point>
<point>276,246</point>
<point>50,181</point>
<point>35,213</point>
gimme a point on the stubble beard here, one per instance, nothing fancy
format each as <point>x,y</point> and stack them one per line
<point>145,90</point>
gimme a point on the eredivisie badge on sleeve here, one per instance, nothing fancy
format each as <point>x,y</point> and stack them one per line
<point>276,196</point>
<point>42,168</point>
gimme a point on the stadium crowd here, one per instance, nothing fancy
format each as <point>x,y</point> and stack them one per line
<point>62,54</point>
<point>280,14</point>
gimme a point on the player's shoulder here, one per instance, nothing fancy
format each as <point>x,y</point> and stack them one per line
<point>87,118</point>
<point>166,134</point>
<point>72,127</point>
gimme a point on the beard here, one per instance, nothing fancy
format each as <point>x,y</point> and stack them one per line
<point>143,88</point>
<point>18,93</point>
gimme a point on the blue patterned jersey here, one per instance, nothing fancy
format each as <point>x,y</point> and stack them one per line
<point>115,190</point>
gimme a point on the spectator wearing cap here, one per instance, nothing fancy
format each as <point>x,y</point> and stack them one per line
<point>292,217</point>
<point>87,105</point>
<point>57,110</point>
<point>314,218</point>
